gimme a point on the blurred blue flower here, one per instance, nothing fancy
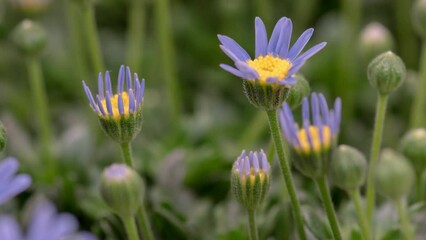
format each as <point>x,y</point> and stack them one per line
<point>11,184</point>
<point>45,224</point>
<point>125,102</point>
<point>275,61</point>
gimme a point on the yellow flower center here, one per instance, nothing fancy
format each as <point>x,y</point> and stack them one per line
<point>305,146</point>
<point>270,66</point>
<point>114,105</point>
<point>252,176</point>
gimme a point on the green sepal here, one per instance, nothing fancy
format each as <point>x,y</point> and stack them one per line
<point>249,194</point>
<point>123,129</point>
<point>266,96</point>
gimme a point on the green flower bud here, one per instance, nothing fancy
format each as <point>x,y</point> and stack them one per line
<point>413,146</point>
<point>348,167</point>
<point>265,96</point>
<point>30,7</point>
<point>419,17</point>
<point>30,37</point>
<point>386,72</point>
<point>298,91</point>
<point>375,39</point>
<point>250,179</point>
<point>394,175</point>
<point>122,189</point>
<point>3,139</point>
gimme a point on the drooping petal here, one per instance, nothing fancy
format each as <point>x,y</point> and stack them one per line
<point>247,70</point>
<point>234,47</point>
<point>232,70</point>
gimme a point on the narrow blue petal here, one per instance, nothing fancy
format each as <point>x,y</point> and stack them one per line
<point>246,170</point>
<point>308,133</point>
<point>332,121</point>
<point>305,111</point>
<point>128,78</point>
<point>100,107</point>
<point>142,88</point>
<point>89,96</point>
<point>261,37</point>
<point>251,156</point>
<point>232,70</point>
<point>300,44</point>
<point>135,79</point>
<point>120,104</point>
<point>316,115</point>
<point>108,82</point>
<point>255,163</point>
<point>9,228</point>
<point>16,185</point>
<point>309,53</point>
<point>248,72</point>
<point>275,36</point>
<point>234,47</point>
<point>291,125</point>
<point>120,86</point>
<point>288,81</point>
<point>101,86</point>
<point>285,128</point>
<point>108,103</point>
<point>230,54</point>
<point>8,168</point>
<point>65,225</point>
<point>324,109</point>
<point>272,80</point>
<point>284,40</point>
<point>131,101</point>
<point>137,92</point>
<point>296,66</point>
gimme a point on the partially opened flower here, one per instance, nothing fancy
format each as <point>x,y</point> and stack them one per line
<point>313,141</point>
<point>120,114</point>
<point>11,184</point>
<point>45,224</point>
<point>270,74</point>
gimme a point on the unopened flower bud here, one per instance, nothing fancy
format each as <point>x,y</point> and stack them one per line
<point>122,189</point>
<point>375,39</point>
<point>413,146</point>
<point>265,96</point>
<point>394,175</point>
<point>298,91</point>
<point>419,17</point>
<point>348,167</point>
<point>30,37</point>
<point>3,139</point>
<point>386,72</point>
<point>30,7</point>
<point>250,179</point>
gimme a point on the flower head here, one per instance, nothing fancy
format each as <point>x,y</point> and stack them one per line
<point>313,141</point>
<point>269,75</point>
<point>11,184</point>
<point>250,178</point>
<point>120,114</point>
<point>45,223</point>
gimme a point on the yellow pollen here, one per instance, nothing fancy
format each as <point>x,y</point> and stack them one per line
<point>316,139</point>
<point>270,66</point>
<point>252,176</point>
<point>114,104</point>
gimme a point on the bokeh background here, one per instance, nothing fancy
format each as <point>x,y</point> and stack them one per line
<point>190,138</point>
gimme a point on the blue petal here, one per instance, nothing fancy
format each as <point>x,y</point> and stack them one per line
<point>255,163</point>
<point>108,82</point>
<point>131,101</point>
<point>128,78</point>
<point>300,44</point>
<point>285,38</point>
<point>309,53</point>
<point>108,103</point>
<point>90,97</point>
<point>230,54</point>
<point>291,123</point>
<point>247,71</point>
<point>64,226</point>
<point>101,86</point>
<point>324,109</point>
<point>272,46</point>
<point>305,111</point>
<point>8,168</point>
<point>120,104</point>
<point>316,115</point>
<point>234,47</point>
<point>261,37</point>
<point>272,80</point>
<point>232,70</point>
<point>296,66</point>
<point>9,228</point>
<point>15,186</point>
<point>288,81</point>
<point>120,86</point>
<point>100,107</point>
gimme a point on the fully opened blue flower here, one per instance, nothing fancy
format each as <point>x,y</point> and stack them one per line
<point>275,61</point>
<point>45,224</point>
<point>11,184</point>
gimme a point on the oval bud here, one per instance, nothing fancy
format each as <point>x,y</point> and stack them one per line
<point>394,175</point>
<point>30,37</point>
<point>419,17</point>
<point>30,7</point>
<point>3,139</point>
<point>413,146</point>
<point>265,96</point>
<point>250,179</point>
<point>298,91</point>
<point>122,189</point>
<point>386,72</point>
<point>348,167</point>
<point>375,39</point>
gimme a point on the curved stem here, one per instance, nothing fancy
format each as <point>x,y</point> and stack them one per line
<point>404,218</point>
<point>418,108</point>
<point>285,169</point>
<point>91,32</point>
<point>362,220</point>
<point>375,149</point>
<point>328,206</point>
<point>252,225</point>
<point>42,113</point>
<point>144,224</point>
<point>135,34</point>
<point>130,226</point>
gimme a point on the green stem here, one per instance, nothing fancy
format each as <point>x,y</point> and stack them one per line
<point>404,218</point>
<point>168,65</point>
<point>42,113</point>
<point>375,149</point>
<point>144,224</point>
<point>252,225</point>
<point>419,105</point>
<point>285,169</point>
<point>328,205</point>
<point>135,34</point>
<point>419,187</point>
<point>126,150</point>
<point>362,220</point>
<point>92,35</point>
<point>132,231</point>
